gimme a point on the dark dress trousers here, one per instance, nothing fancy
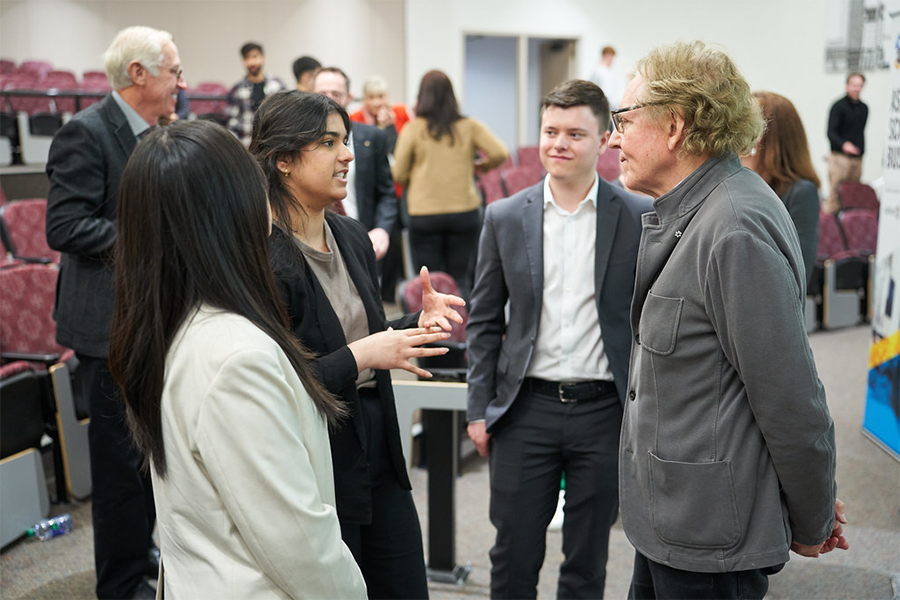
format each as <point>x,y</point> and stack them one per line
<point>374,505</point>
<point>535,436</point>
<point>86,161</point>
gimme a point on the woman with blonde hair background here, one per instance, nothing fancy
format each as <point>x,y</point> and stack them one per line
<point>781,157</point>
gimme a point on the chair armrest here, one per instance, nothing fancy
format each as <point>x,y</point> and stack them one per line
<point>458,346</point>
<point>47,359</point>
<point>442,374</point>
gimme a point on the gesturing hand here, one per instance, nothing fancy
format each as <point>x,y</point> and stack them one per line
<point>437,308</point>
<point>392,349</point>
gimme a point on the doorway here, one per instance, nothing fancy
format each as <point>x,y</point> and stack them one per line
<point>506,77</point>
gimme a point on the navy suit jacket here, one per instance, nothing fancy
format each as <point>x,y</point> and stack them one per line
<point>314,321</point>
<point>511,268</point>
<point>86,161</point>
<point>375,196</point>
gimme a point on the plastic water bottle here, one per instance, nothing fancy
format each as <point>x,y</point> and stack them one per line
<point>51,528</point>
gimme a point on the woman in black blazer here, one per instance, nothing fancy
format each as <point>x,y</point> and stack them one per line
<point>325,267</point>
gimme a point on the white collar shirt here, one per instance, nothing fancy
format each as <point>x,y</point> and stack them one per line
<point>569,345</point>
<point>135,121</point>
<point>351,208</point>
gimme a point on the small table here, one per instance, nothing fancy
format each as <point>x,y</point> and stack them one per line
<point>439,400</point>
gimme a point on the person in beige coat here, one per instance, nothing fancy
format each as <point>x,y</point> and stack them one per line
<point>434,159</point>
<point>218,392</point>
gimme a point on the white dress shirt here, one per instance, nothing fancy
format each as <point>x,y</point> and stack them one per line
<point>351,208</point>
<point>569,346</point>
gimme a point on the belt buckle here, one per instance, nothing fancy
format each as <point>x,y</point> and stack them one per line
<point>562,395</point>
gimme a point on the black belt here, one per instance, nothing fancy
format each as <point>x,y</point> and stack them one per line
<point>570,391</point>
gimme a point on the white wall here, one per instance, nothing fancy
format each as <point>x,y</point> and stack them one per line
<point>361,36</point>
<point>491,85</point>
<point>778,44</point>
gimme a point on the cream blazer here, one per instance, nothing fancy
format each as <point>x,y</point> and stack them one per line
<point>247,508</point>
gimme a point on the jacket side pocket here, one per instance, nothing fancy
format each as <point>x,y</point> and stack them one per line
<point>693,504</point>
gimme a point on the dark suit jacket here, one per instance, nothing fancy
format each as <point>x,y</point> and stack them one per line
<point>511,267</point>
<point>375,195</point>
<point>314,321</point>
<point>86,161</point>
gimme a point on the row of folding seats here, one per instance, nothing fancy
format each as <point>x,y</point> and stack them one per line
<point>36,391</point>
<point>92,81</point>
<point>28,120</point>
<point>22,231</point>
<point>841,284</point>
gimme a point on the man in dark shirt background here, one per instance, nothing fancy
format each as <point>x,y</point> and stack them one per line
<point>246,96</point>
<point>846,124</point>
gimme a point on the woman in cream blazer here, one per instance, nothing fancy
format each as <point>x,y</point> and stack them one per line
<point>219,395</point>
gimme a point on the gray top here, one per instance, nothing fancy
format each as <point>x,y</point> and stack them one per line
<point>727,450</point>
<point>802,203</point>
<point>330,270</point>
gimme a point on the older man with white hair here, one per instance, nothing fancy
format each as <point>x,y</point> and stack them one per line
<point>727,454</point>
<point>86,161</point>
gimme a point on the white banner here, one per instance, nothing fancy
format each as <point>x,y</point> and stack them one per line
<point>882,415</point>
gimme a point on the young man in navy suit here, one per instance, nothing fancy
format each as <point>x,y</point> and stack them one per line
<point>546,386</point>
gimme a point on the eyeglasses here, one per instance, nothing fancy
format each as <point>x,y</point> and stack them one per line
<point>176,72</point>
<point>620,126</point>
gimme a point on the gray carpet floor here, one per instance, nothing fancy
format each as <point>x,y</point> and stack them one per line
<point>868,482</point>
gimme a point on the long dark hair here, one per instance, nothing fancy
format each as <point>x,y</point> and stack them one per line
<point>782,155</point>
<point>192,229</point>
<point>283,125</point>
<point>437,104</point>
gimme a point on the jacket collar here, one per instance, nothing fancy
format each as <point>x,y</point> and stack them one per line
<point>119,124</point>
<point>694,188</point>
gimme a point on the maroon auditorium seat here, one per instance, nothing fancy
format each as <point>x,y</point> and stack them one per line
<point>491,186</point>
<point>853,195</point>
<point>529,156</point>
<point>38,67</point>
<point>519,178</point>
<point>28,104</point>
<point>64,81</point>
<point>202,107</point>
<point>860,229</point>
<point>23,230</point>
<point>93,81</point>
<point>608,164</point>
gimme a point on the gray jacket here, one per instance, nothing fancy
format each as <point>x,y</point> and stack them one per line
<point>727,450</point>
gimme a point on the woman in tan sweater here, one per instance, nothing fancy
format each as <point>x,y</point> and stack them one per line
<point>435,160</point>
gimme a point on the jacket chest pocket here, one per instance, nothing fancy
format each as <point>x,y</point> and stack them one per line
<point>660,319</point>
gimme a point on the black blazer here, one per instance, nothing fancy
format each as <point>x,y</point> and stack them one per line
<point>314,321</point>
<point>86,161</point>
<point>374,186</point>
